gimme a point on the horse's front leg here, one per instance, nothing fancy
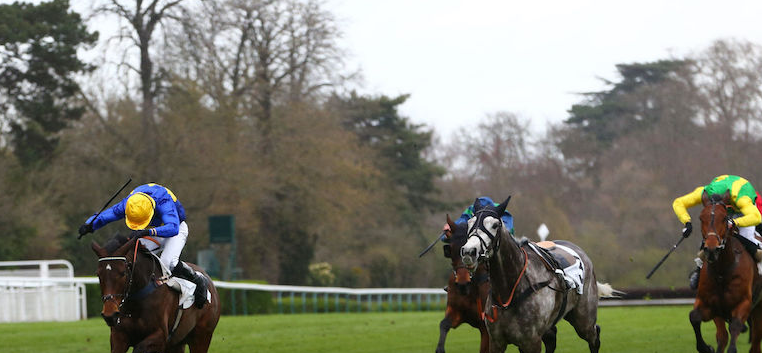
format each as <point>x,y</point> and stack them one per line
<point>444,327</point>
<point>549,339</point>
<point>153,343</point>
<point>532,347</point>
<point>722,334</point>
<point>740,314</point>
<point>484,345</point>
<point>697,315</point>
<point>118,342</point>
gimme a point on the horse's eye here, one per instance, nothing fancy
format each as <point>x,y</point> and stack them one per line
<point>494,226</point>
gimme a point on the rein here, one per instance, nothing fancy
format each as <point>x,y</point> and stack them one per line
<point>479,225</point>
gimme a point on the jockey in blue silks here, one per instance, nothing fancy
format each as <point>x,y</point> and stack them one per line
<point>482,201</point>
<point>157,218</point>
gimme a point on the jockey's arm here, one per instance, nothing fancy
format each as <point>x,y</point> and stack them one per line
<point>682,203</point>
<point>169,219</point>
<point>109,215</point>
<point>751,215</point>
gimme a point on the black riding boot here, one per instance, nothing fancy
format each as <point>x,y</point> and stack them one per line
<point>693,279</point>
<point>182,270</point>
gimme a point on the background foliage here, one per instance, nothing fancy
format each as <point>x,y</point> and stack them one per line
<point>244,108</point>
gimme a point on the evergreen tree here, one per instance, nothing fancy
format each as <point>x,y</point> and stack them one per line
<point>38,62</point>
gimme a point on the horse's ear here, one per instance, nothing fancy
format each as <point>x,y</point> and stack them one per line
<point>101,252</point>
<point>451,224</point>
<point>501,208</point>
<point>705,199</point>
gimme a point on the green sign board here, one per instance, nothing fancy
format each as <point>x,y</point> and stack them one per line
<point>221,229</point>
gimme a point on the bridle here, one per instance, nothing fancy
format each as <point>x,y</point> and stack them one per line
<point>713,233</point>
<point>125,295</point>
<point>488,249</point>
<point>130,266</point>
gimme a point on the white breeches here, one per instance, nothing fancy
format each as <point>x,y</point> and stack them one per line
<point>171,247</point>
<point>748,233</point>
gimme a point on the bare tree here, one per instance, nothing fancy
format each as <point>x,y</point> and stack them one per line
<point>729,75</point>
<point>253,55</point>
<point>143,19</point>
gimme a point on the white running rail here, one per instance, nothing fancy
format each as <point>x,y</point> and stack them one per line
<point>364,299</point>
<point>40,290</point>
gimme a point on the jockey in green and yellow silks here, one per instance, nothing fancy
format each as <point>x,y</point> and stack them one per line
<point>743,209</point>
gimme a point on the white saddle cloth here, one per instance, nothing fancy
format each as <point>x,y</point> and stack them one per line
<point>181,285</point>
<point>574,275</point>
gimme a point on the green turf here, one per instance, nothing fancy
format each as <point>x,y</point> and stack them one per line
<point>641,330</point>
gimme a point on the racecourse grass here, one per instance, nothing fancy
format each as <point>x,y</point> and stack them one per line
<point>624,329</point>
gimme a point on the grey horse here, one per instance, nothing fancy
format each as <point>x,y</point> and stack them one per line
<point>527,299</point>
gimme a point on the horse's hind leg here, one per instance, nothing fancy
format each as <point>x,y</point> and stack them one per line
<point>586,328</point>
<point>549,339</point>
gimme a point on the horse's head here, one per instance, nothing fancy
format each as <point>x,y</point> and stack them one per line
<point>485,229</point>
<point>114,274</point>
<point>714,224</point>
<point>456,237</point>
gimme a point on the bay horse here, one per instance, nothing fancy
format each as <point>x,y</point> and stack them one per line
<point>143,312</point>
<point>527,299</point>
<point>467,293</point>
<point>729,282</point>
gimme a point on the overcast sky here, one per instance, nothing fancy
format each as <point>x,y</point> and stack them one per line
<point>461,60</point>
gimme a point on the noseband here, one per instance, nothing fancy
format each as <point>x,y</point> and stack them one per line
<point>479,225</point>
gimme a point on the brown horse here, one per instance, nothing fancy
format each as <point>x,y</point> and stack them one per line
<point>728,279</point>
<point>467,292</point>
<point>142,311</point>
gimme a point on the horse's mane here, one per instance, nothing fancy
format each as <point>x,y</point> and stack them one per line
<point>115,243</point>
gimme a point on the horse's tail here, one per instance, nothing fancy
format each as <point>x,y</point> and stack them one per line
<point>605,290</point>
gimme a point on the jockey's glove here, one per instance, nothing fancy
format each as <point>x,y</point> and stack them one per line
<point>85,228</point>
<point>731,224</point>
<point>687,230</point>
<point>140,233</point>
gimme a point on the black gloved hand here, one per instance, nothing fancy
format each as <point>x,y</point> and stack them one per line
<point>139,233</point>
<point>732,224</point>
<point>85,228</point>
<point>687,230</point>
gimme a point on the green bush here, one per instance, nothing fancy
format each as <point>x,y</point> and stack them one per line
<point>246,302</point>
<point>93,298</point>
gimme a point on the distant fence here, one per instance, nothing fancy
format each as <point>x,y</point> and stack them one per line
<point>43,290</point>
<point>253,298</point>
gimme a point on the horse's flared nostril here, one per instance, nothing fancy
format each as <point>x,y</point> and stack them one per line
<point>111,320</point>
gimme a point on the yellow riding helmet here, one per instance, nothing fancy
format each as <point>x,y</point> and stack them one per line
<point>139,211</point>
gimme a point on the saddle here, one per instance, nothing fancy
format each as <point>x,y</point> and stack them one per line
<point>561,260</point>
